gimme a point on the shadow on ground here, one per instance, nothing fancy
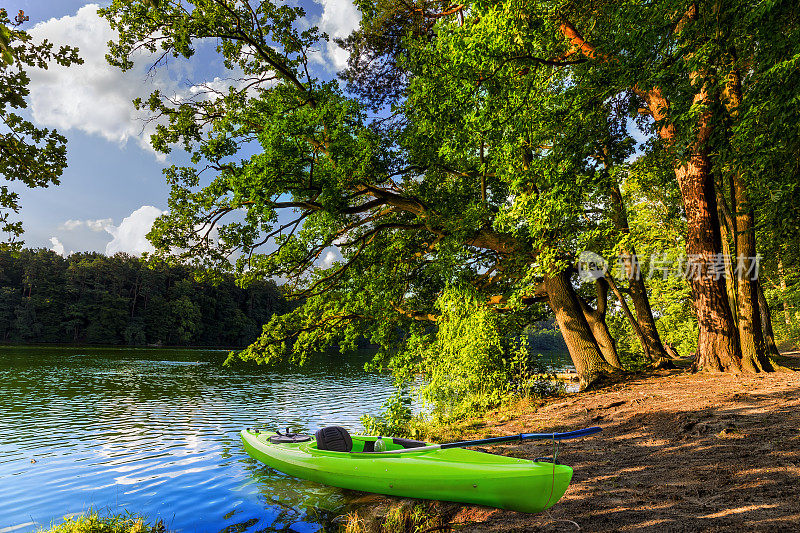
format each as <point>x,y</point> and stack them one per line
<point>679,452</point>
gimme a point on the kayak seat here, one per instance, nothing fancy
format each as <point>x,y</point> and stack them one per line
<point>334,439</point>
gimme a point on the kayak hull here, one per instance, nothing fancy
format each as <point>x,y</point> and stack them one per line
<point>455,474</point>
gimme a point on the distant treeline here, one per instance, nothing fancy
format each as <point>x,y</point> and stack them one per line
<point>92,298</point>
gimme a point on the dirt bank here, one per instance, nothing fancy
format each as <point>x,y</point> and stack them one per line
<point>678,452</point>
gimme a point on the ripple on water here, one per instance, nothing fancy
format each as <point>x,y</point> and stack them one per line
<point>156,432</point>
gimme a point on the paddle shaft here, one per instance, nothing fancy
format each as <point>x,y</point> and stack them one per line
<point>496,440</point>
<point>525,436</point>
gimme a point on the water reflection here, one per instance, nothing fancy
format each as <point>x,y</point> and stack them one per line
<point>156,432</point>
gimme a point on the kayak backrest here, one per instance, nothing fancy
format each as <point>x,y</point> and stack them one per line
<point>334,439</point>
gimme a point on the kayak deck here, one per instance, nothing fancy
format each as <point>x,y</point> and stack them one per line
<point>454,474</point>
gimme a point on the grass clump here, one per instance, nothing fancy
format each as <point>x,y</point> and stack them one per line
<point>404,517</point>
<point>94,522</point>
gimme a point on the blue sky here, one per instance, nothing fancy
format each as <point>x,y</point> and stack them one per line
<point>113,187</point>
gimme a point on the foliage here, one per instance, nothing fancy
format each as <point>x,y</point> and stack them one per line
<point>465,368</point>
<point>411,208</point>
<point>629,349</point>
<point>783,291</point>
<point>418,517</point>
<point>468,365</point>
<point>396,419</point>
<point>93,522</point>
<point>33,156</point>
<point>491,164</point>
<point>91,298</point>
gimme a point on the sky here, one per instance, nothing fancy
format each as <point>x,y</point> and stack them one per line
<point>113,187</point>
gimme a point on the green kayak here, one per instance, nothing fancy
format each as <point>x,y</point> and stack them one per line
<point>452,474</point>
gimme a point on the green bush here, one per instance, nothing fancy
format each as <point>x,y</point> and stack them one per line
<point>461,370</point>
<point>93,522</point>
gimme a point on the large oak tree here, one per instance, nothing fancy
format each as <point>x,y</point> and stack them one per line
<point>477,145</point>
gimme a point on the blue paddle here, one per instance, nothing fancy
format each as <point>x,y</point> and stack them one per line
<point>585,432</point>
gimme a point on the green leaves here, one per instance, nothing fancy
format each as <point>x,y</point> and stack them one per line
<point>468,365</point>
<point>34,156</point>
<point>482,149</point>
<point>6,55</point>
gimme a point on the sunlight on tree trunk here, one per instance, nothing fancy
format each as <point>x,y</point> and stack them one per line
<point>583,348</point>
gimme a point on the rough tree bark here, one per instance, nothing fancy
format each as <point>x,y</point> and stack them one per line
<point>581,343</point>
<point>637,328</point>
<point>718,345</point>
<point>766,323</point>
<point>727,230</point>
<point>754,356</point>
<point>596,318</point>
<point>748,315</point>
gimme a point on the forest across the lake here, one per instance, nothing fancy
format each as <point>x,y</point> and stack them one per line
<point>96,299</point>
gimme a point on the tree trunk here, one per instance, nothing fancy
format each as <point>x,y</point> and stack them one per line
<point>766,323</point>
<point>644,315</point>
<point>651,341</point>
<point>596,318</point>
<point>754,357</point>
<point>718,345</point>
<point>727,227</point>
<point>658,362</point>
<point>748,316</point>
<point>582,346</point>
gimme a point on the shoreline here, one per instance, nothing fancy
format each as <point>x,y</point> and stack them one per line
<point>678,452</point>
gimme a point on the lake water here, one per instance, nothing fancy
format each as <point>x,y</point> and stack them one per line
<point>156,432</point>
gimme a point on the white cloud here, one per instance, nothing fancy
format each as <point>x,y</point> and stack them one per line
<point>339,19</point>
<point>332,255</point>
<point>95,225</point>
<point>58,247</point>
<point>70,225</point>
<point>95,97</point>
<point>130,235</point>
<point>100,224</point>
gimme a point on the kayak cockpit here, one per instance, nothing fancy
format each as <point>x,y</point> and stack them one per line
<point>366,444</point>
<point>338,439</point>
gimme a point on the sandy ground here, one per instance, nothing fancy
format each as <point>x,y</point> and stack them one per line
<point>678,452</point>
